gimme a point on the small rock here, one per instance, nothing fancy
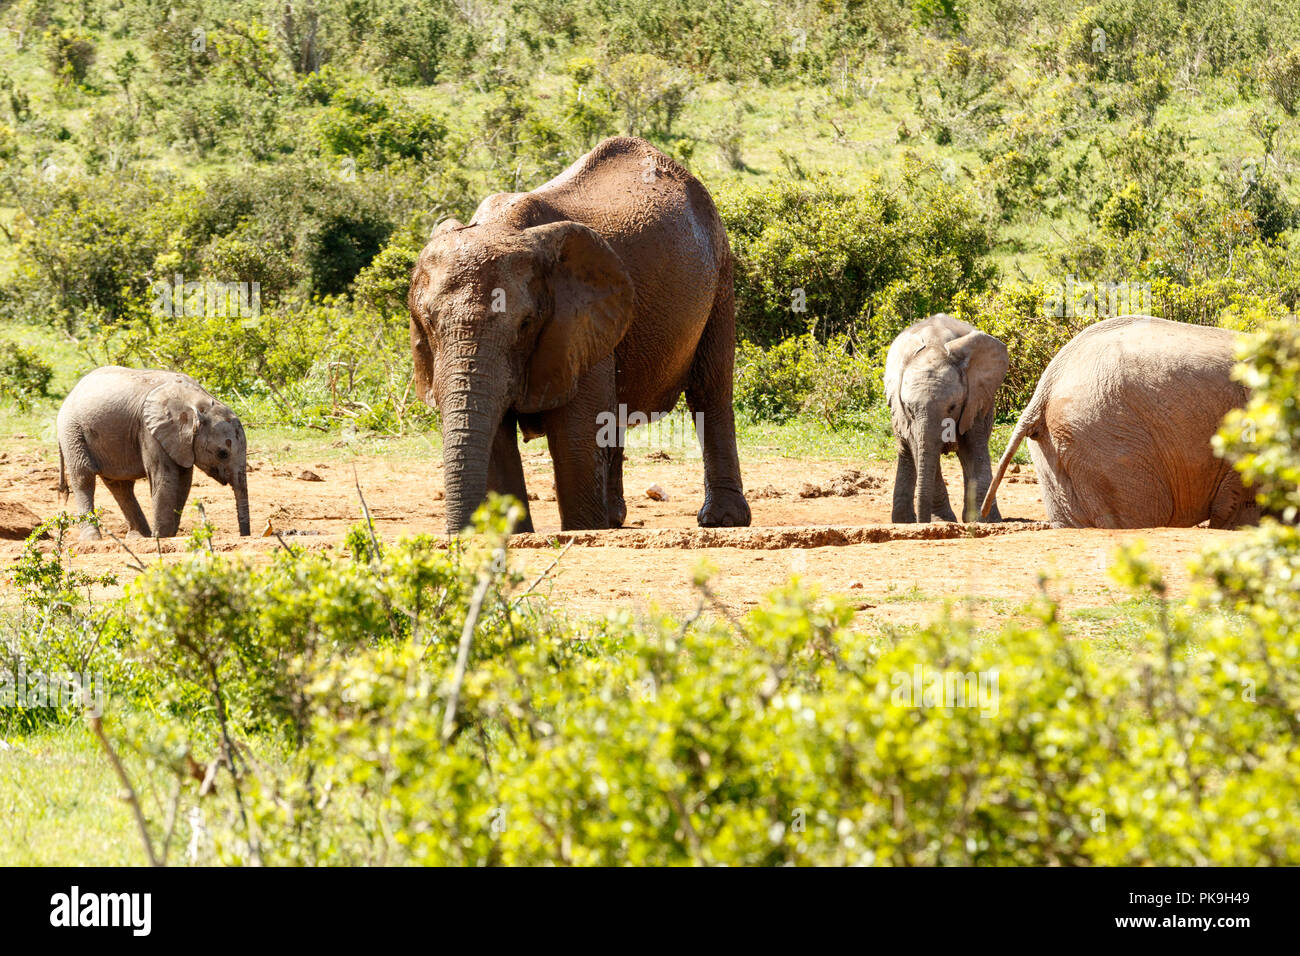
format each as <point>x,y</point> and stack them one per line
<point>767,491</point>
<point>655,493</point>
<point>854,585</point>
<point>309,476</point>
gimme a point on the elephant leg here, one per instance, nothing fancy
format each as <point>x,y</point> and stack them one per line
<point>614,487</point>
<point>506,470</point>
<point>710,399</point>
<point>169,488</point>
<point>904,511</point>
<point>977,471</point>
<point>581,465</point>
<point>1233,506</point>
<point>82,484</point>
<point>939,503</point>
<point>124,492</point>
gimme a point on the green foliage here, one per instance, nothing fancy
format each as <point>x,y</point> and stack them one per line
<point>24,375</point>
<point>48,581</point>
<point>827,381</point>
<point>342,728</point>
<point>69,56</point>
<point>818,255</point>
<point>1263,439</point>
<point>1281,74</point>
<point>408,40</point>
<point>648,91</point>
<point>374,128</point>
<point>86,246</point>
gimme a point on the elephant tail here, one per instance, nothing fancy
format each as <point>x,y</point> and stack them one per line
<point>63,477</point>
<point>1029,420</point>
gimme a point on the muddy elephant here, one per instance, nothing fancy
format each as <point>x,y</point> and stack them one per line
<point>1119,428</point>
<point>941,380</point>
<point>596,298</point>
<point>124,424</point>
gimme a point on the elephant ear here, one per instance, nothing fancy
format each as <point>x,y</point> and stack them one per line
<point>422,343</point>
<point>985,362</point>
<point>171,414</point>
<point>592,296</point>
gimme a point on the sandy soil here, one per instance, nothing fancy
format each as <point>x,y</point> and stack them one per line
<point>826,521</point>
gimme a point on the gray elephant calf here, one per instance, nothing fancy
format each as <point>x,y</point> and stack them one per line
<point>124,424</point>
<point>941,377</point>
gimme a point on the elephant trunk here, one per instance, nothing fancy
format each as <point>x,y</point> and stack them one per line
<point>240,486</point>
<point>471,411</point>
<point>926,454</point>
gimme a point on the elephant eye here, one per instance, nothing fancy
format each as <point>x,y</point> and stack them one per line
<point>223,454</point>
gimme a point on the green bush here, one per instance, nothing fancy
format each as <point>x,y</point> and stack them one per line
<point>69,56</point>
<point>1263,439</point>
<point>408,706</point>
<point>376,128</point>
<point>804,376</point>
<point>24,375</point>
<point>816,255</point>
<point>85,247</point>
<point>1281,74</point>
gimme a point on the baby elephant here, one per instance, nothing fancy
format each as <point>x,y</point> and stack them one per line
<point>941,376</point>
<point>123,424</point>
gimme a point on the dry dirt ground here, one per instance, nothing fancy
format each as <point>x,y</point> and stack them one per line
<point>824,520</point>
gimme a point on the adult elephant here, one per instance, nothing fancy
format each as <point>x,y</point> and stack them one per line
<point>124,424</point>
<point>597,297</point>
<point>1120,427</point>
<point>941,379</point>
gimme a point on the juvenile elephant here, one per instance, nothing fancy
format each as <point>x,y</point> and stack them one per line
<point>598,297</point>
<point>1120,426</point>
<point>941,377</point>
<point>124,424</point>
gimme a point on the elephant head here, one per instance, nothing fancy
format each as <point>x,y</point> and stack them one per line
<point>194,429</point>
<point>508,320</point>
<point>944,388</point>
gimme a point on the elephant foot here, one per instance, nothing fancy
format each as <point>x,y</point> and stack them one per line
<point>724,509</point>
<point>617,513</point>
<point>91,534</point>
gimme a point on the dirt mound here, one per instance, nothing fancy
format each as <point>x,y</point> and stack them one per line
<point>847,485</point>
<point>768,539</point>
<point>16,521</point>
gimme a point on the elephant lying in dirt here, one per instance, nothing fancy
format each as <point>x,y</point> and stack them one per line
<point>599,296</point>
<point>941,378</point>
<point>124,424</point>
<point>1120,427</point>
